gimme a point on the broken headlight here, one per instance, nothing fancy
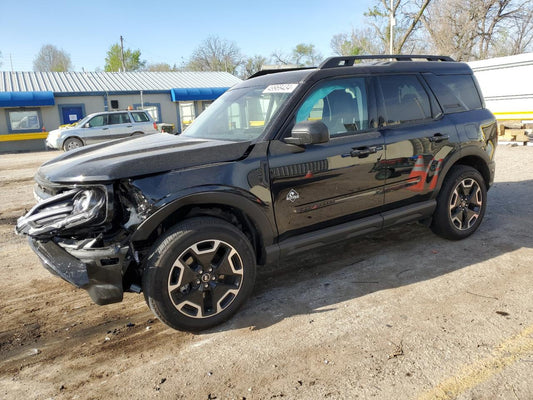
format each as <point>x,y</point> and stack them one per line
<point>63,212</point>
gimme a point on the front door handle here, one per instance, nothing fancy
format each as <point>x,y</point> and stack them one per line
<point>438,137</point>
<point>362,152</point>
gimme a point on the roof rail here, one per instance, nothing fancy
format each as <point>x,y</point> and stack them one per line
<point>274,71</point>
<point>349,61</point>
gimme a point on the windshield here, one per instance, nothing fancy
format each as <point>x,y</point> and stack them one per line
<point>83,120</point>
<point>240,114</point>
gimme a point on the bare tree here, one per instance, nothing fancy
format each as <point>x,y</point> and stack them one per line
<point>160,67</point>
<point>215,54</point>
<point>51,59</point>
<point>519,36</point>
<point>408,14</point>
<point>478,29</point>
<point>280,58</point>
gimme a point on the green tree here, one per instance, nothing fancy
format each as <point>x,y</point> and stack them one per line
<point>132,60</point>
<point>360,41</point>
<point>215,54</point>
<point>51,59</point>
<point>302,55</point>
<point>306,55</point>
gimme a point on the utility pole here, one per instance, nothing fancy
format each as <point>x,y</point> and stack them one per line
<point>122,53</point>
<point>392,23</point>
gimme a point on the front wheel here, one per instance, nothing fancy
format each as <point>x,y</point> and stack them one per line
<point>199,273</point>
<point>71,144</point>
<point>461,203</point>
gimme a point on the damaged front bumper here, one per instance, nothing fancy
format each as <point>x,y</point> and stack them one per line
<point>98,271</point>
<point>67,232</point>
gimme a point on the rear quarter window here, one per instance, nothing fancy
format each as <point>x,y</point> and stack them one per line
<point>140,117</point>
<point>455,93</point>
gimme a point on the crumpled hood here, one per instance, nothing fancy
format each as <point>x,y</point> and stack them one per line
<point>137,156</point>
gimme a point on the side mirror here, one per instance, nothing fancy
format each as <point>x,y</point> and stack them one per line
<point>308,132</point>
<point>86,125</point>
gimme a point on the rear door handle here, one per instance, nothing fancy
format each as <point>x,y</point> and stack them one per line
<point>438,137</point>
<point>362,152</point>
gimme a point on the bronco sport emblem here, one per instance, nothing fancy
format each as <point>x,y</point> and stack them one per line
<point>292,196</point>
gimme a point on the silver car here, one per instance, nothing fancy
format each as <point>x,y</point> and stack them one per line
<point>99,127</point>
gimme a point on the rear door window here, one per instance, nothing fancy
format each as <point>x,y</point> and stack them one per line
<point>118,118</point>
<point>404,99</point>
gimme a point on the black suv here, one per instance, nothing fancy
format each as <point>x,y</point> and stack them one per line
<point>280,164</point>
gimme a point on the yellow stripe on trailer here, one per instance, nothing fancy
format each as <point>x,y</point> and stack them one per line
<point>513,115</point>
<point>23,136</point>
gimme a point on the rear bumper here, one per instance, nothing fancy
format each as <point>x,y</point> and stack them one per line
<point>98,271</point>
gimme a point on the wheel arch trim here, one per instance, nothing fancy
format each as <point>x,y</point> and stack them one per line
<point>473,156</point>
<point>252,207</point>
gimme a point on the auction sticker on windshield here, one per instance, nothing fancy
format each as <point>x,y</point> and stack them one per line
<point>281,88</point>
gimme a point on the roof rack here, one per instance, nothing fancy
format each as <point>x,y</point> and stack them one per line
<point>349,61</point>
<point>273,71</point>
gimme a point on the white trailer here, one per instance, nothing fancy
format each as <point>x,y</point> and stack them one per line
<point>507,85</point>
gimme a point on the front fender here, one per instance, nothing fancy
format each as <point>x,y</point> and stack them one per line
<point>254,208</point>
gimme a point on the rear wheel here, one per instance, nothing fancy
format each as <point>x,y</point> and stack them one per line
<point>461,203</point>
<point>199,273</point>
<point>72,143</point>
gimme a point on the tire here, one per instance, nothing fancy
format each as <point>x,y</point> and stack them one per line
<point>199,273</point>
<point>461,203</point>
<point>71,144</point>
<point>138,133</point>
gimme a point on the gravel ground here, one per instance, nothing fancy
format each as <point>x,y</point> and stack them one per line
<point>401,314</point>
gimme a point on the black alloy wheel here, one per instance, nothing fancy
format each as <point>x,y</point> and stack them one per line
<point>461,203</point>
<point>199,273</point>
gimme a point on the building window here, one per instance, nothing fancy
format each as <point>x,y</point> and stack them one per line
<point>26,120</point>
<point>154,109</point>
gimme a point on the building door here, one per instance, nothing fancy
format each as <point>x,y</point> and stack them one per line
<point>71,114</point>
<point>187,113</point>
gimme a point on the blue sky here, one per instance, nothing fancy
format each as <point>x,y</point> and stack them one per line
<point>167,31</point>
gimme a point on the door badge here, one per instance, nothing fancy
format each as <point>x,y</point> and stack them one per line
<point>292,196</point>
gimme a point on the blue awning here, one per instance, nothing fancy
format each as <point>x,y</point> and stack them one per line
<point>26,99</point>
<point>184,94</point>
